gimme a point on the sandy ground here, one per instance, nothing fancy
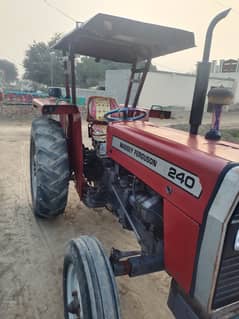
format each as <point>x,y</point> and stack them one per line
<point>32,251</point>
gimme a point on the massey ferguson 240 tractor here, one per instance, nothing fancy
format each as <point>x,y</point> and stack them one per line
<point>177,191</point>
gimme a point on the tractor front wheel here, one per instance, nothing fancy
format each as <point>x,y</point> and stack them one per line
<point>49,168</point>
<point>89,286</point>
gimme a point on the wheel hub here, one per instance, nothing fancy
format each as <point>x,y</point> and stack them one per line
<point>74,306</point>
<point>74,303</point>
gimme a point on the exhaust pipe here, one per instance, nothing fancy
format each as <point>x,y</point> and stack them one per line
<point>203,71</point>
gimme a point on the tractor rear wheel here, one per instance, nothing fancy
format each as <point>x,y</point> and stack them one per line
<point>49,168</point>
<point>89,286</point>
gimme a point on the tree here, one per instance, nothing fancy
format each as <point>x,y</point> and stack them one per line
<point>44,65</point>
<point>89,73</point>
<point>9,70</point>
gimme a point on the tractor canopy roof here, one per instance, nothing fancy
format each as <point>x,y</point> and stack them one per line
<point>124,40</point>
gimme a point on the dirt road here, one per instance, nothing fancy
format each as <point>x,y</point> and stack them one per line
<point>31,251</point>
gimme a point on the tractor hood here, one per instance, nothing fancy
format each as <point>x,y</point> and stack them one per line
<point>180,167</point>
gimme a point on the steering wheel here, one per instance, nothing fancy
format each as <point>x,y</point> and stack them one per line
<point>126,116</point>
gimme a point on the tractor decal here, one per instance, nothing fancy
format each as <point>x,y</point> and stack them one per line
<point>180,177</point>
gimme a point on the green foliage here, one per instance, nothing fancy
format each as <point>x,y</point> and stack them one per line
<point>9,70</point>
<point>44,65</point>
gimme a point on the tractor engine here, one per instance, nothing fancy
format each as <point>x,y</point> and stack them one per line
<point>120,191</point>
<point>144,207</point>
<point>148,206</point>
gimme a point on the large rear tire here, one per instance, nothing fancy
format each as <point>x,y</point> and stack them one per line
<point>89,286</point>
<point>49,168</point>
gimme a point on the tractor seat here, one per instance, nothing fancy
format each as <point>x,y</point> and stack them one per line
<point>97,106</point>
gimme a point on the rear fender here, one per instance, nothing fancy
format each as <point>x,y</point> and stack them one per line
<point>70,119</point>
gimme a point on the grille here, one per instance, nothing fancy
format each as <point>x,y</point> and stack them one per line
<point>227,287</point>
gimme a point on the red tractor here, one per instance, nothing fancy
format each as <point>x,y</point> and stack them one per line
<point>177,191</point>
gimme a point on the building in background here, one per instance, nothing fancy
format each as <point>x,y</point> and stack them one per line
<point>162,88</point>
<point>227,69</point>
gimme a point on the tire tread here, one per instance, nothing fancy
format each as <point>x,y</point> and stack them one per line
<point>52,167</point>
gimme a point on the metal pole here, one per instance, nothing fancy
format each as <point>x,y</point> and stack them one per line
<point>66,73</point>
<point>203,71</point>
<point>130,85</point>
<point>210,30</point>
<point>141,84</point>
<point>73,79</point>
<point>51,68</point>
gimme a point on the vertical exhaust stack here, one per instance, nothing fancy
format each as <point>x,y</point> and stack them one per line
<point>203,71</point>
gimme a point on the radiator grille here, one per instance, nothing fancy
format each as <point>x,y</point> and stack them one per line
<point>227,287</point>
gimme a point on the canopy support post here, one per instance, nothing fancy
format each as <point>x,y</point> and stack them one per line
<point>141,83</point>
<point>131,80</point>
<point>66,73</point>
<point>73,79</point>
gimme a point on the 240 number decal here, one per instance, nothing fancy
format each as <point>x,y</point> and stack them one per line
<point>181,178</point>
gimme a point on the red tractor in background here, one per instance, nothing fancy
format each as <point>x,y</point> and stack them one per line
<point>178,192</point>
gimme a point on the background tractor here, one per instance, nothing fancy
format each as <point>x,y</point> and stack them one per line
<point>178,192</point>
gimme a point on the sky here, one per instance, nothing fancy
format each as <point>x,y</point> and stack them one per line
<point>25,21</point>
